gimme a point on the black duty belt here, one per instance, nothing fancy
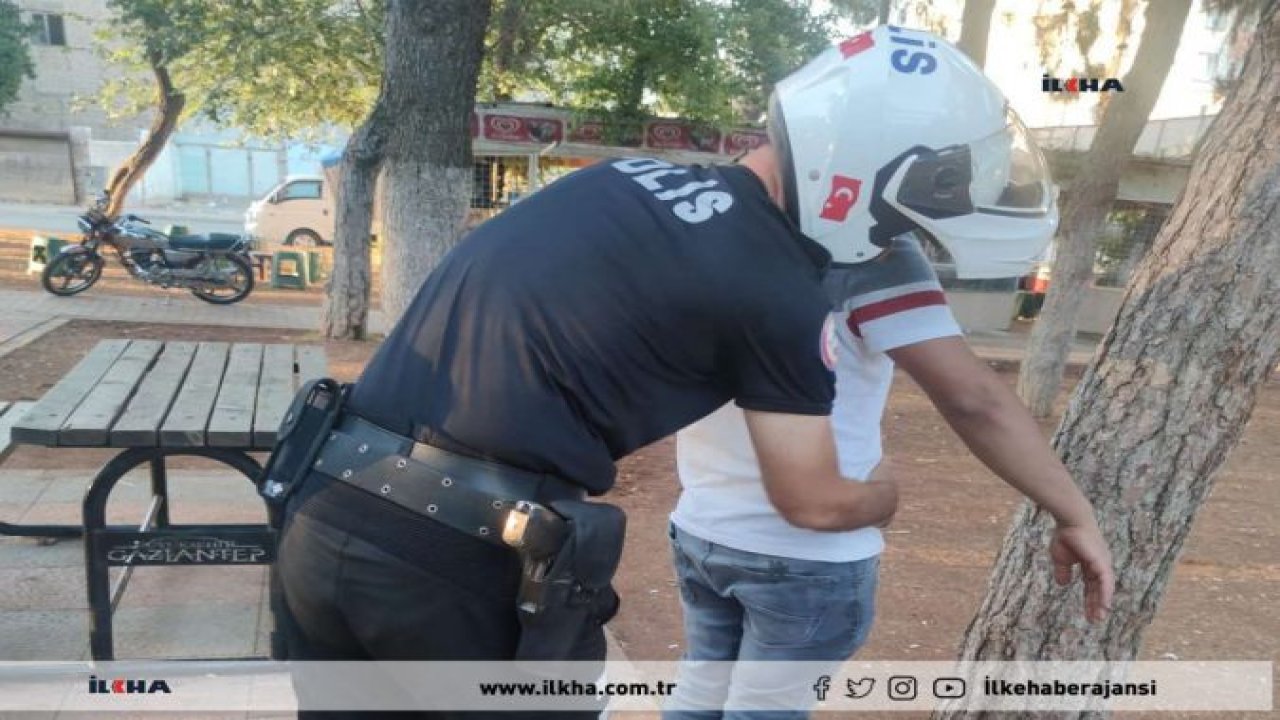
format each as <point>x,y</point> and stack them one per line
<point>482,499</point>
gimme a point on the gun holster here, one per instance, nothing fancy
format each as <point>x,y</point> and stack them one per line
<point>569,592</point>
<point>302,434</point>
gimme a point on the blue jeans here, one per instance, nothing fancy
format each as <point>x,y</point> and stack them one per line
<point>746,606</point>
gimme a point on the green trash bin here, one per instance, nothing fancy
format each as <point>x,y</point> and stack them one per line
<point>317,266</point>
<point>289,270</point>
<point>43,249</point>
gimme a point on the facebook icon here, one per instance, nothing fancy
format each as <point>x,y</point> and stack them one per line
<point>821,687</point>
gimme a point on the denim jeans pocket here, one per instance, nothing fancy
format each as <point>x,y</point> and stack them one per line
<point>785,611</point>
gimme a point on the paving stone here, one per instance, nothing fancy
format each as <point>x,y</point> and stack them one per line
<point>22,552</point>
<point>60,588</point>
<point>194,585</point>
<point>44,634</point>
<point>22,487</point>
<point>206,630</point>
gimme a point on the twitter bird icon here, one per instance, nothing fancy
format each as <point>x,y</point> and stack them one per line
<point>858,689</point>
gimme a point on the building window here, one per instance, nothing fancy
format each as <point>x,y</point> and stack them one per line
<point>1215,20</point>
<point>1208,66</point>
<point>48,29</point>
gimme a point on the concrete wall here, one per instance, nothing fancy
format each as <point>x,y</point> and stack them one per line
<point>982,311</point>
<point>1153,182</point>
<point>36,169</point>
<point>1098,311</point>
<point>69,79</point>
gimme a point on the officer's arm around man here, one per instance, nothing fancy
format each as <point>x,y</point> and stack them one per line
<point>797,457</point>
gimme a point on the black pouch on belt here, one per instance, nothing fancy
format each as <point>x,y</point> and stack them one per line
<point>575,588</point>
<point>302,433</point>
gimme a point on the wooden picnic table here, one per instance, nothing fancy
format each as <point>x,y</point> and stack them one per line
<point>153,400</point>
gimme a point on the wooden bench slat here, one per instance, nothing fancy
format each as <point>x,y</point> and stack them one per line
<point>140,423</point>
<point>274,393</point>
<point>231,424</point>
<point>312,363</point>
<point>188,419</point>
<point>14,413</point>
<point>43,422</point>
<point>91,422</point>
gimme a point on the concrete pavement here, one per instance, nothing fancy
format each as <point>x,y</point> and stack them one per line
<point>24,308</point>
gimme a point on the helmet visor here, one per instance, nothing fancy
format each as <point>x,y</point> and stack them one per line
<point>1000,174</point>
<point>1009,173</point>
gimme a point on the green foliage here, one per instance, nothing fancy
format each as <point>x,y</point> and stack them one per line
<point>15,53</point>
<point>271,67</point>
<point>710,60</point>
<point>288,67</point>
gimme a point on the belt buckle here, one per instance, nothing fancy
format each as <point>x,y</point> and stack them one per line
<point>516,528</point>
<point>533,529</point>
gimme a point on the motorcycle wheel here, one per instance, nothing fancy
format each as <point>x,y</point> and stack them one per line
<point>239,281</point>
<point>71,273</point>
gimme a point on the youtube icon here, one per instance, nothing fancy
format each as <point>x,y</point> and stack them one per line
<point>948,687</point>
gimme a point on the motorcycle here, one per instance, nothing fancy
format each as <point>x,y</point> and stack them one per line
<point>215,267</point>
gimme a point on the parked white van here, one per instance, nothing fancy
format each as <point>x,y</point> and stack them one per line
<point>298,211</point>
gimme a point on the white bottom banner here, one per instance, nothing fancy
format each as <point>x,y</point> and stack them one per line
<point>239,686</point>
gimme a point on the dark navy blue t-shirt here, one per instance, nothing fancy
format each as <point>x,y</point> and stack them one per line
<point>605,312</point>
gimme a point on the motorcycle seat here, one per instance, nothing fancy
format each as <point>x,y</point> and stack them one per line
<point>212,241</point>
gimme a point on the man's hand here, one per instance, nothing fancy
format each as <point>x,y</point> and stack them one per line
<point>1084,546</point>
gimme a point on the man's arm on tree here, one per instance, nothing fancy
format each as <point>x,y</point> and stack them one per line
<point>993,422</point>
<point>996,426</point>
<point>797,457</point>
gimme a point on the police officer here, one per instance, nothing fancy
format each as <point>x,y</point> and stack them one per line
<point>609,310</point>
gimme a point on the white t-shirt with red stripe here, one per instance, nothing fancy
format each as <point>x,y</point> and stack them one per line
<point>894,301</point>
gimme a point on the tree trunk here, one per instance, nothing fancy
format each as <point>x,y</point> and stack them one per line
<point>1168,394</point>
<point>433,55</point>
<point>975,28</point>
<point>169,104</point>
<point>511,19</point>
<point>346,304</point>
<point>1091,194</point>
<point>886,6</point>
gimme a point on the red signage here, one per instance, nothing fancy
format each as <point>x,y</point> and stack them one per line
<point>740,141</point>
<point>517,129</point>
<point>589,132</point>
<point>675,135</point>
<point>844,195</point>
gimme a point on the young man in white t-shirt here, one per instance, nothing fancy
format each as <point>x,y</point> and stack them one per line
<point>754,587</point>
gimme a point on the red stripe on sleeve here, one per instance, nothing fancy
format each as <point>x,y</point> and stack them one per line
<point>853,325</point>
<point>910,301</point>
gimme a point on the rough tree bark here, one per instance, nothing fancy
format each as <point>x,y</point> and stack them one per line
<point>975,28</point>
<point>346,303</point>
<point>433,55</point>
<point>1168,394</point>
<point>169,105</point>
<point>510,22</point>
<point>1091,194</point>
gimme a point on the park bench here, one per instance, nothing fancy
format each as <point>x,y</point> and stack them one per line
<point>154,400</point>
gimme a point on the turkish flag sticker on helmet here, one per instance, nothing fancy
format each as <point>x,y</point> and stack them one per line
<point>843,196</point>
<point>857,44</point>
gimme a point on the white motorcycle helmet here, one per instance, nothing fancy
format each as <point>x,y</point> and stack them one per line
<point>895,130</point>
